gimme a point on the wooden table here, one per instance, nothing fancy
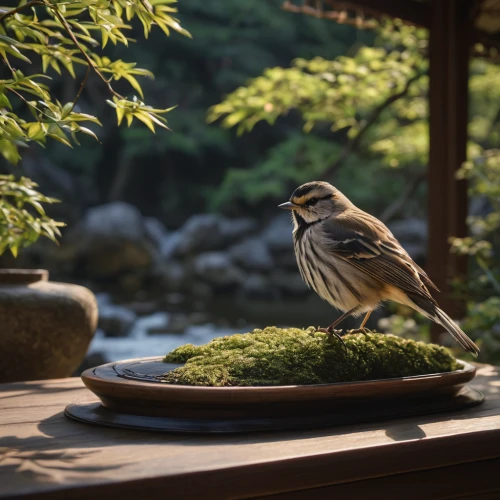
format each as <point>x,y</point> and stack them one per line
<point>44,455</point>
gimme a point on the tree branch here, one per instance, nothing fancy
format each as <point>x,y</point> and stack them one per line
<point>20,8</point>
<point>82,85</point>
<point>353,144</point>
<point>29,104</point>
<point>91,63</point>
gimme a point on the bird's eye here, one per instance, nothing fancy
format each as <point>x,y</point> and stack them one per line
<point>312,201</point>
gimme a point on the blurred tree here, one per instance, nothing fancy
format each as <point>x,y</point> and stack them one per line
<point>60,35</point>
<point>374,101</point>
<point>232,41</point>
<point>483,245</point>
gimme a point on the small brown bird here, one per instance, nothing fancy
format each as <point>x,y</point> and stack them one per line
<point>353,261</point>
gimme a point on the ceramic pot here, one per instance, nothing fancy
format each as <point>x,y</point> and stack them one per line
<point>45,327</point>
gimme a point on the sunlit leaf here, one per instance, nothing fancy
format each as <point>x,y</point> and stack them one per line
<point>67,34</point>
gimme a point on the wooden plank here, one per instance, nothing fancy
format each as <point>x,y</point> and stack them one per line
<point>449,44</point>
<point>478,480</point>
<point>37,393</point>
<point>57,458</point>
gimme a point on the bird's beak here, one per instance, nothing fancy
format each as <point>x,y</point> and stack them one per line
<point>288,206</point>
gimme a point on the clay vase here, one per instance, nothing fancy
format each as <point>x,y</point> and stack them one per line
<point>45,327</point>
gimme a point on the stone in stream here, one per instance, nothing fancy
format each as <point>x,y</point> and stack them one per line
<point>217,269</point>
<point>206,232</point>
<point>252,254</point>
<point>110,240</point>
<point>115,321</point>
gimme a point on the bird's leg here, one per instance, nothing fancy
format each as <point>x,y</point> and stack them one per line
<point>367,315</point>
<point>332,333</point>
<point>331,329</point>
<point>362,328</point>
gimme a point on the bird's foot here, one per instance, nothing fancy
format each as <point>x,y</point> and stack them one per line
<point>360,330</point>
<point>333,333</point>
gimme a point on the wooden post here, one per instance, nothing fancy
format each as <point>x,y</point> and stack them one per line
<point>448,102</point>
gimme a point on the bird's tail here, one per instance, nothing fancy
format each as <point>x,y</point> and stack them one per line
<point>445,321</point>
<point>434,313</point>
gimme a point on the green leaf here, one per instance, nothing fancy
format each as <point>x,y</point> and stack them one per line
<point>87,131</point>
<point>146,119</point>
<point>59,136</point>
<point>4,101</point>
<point>9,151</point>
<point>66,109</point>
<point>134,83</point>
<point>120,113</point>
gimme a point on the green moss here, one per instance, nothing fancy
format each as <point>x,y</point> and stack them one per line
<point>276,356</point>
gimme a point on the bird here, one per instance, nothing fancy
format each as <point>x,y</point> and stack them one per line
<point>353,261</point>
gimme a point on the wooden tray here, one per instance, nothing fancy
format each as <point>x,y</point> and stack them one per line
<point>131,396</point>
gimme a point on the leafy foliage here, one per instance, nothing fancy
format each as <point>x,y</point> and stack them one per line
<point>342,92</point>
<point>22,216</point>
<point>299,159</point>
<point>60,35</point>
<point>304,158</point>
<point>232,41</point>
<point>386,83</point>
<point>374,100</point>
<point>483,317</point>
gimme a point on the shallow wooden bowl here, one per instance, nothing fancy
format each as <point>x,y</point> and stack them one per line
<point>131,396</point>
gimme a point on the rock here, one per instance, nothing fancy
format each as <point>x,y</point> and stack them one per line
<point>235,229</point>
<point>257,286</point>
<point>110,240</point>
<point>167,277</point>
<point>198,318</point>
<point>200,233</point>
<point>173,299</point>
<point>155,323</point>
<point>178,323</point>
<point>412,234</point>
<point>174,276</point>
<point>289,283</point>
<point>103,299</point>
<point>278,234</point>
<point>132,283</point>
<point>252,254</point>
<point>217,269</point>
<point>115,321</point>
<point>200,290</point>
<point>208,232</point>
<point>278,237</point>
<point>169,244</point>
<point>143,307</point>
<point>118,219</point>
<point>155,230</point>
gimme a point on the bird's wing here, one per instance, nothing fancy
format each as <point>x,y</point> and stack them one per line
<point>368,245</point>
<point>393,245</point>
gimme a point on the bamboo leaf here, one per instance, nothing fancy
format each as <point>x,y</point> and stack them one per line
<point>146,119</point>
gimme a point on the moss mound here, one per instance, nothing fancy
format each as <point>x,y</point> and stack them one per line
<point>276,356</point>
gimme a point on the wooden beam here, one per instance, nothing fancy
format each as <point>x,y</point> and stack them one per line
<point>417,13</point>
<point>448,102</point>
